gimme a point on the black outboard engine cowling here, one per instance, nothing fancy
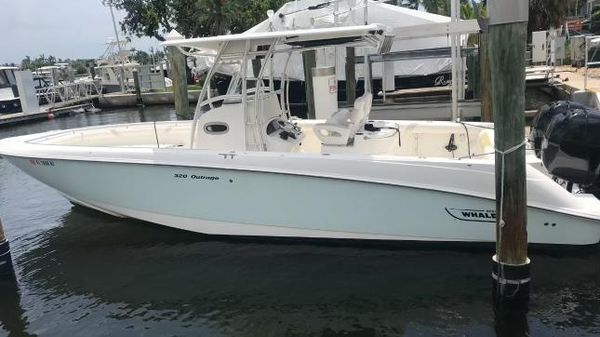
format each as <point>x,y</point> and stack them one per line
<point>543,118</point>
<point>566,136</point>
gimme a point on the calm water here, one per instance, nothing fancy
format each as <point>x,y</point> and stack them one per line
<point>82,273</point>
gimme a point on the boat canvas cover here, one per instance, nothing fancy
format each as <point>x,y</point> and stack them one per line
<point>207,47</point>
<point>213,44</point>
<point>296,15</point>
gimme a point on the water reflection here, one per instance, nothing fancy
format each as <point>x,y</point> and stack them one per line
<point>511,318</point>
<point>249,289</point>
<point>12,316</point>
<point>142,114</point>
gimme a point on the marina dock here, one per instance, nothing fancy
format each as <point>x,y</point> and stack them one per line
<point>44,113</point>
<point>106,101</point>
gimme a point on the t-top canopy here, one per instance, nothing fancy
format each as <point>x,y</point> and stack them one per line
<point>302,37</point>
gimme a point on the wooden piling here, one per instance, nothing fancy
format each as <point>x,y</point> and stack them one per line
<point>507,38</point>
<point>350,76</point>
<point>180,87</point>
<point>473,74</point>
<point>309,60</point>
<point>485,92</point>
<point>138,89</point>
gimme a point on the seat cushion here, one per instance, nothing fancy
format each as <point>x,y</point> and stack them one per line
<point>341,127</point>
<point>360,113</point>
<point>332,134</point>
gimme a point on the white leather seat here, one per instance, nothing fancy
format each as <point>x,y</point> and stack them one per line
<point>340,128</point>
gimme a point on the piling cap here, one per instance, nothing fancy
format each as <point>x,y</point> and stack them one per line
<point>508,11</point>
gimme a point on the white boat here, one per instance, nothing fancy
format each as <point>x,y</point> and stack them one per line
<point>243,167</point>
<point>407,73</point>
<point>116,62</point>
<point>420,60</point>
<point>9,95</point>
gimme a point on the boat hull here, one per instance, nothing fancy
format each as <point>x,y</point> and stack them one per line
<point>8,106</point>
<point>225,201</point>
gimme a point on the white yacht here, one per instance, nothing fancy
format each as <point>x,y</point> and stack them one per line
<point>243,167</point>
<point>113,64</point>
<point>9,95</point>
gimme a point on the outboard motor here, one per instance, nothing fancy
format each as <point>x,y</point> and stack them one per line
<point>566,136</point>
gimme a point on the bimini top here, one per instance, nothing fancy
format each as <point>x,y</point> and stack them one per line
<point>302,38</point>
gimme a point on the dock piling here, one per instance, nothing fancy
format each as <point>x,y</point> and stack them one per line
<point>6,268</point>
<point>180,88</point>
<point>507,37</point>
<point>485,92</point>
<point>309,60</point>
<point>350,76</point>
<point>138,89</point>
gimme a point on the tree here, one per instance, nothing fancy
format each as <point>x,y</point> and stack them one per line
<point>545,14</point>
<point>142,57</point>
<point>26,63</point>
<point>575,7</point>
<point>80,65</point>
<point>192,18</point>
<point>442,7</point>
<point>40,61</point>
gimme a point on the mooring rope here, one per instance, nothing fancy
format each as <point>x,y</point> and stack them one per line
<point>502,173</point>
<point>501,274</point>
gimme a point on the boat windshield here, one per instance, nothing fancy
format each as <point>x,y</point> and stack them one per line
<point>6,78</point>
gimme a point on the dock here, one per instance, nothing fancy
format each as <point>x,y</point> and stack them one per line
<point>114,100</point>
<point>59,100</point>
<point>148,98</point>
<point>43,114</point>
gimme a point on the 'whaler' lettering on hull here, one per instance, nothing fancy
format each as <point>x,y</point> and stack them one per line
<point>474,215</point>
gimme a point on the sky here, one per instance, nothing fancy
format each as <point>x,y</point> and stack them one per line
<point>62,28</point>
